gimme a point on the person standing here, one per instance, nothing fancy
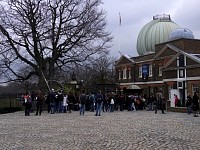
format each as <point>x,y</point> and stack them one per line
<point>71,101</point>
<point>33,100</point>
<point>40,103</point>
<point>160,102</point>
<point>112,102</point>
<point>99,100</point>
<point>121,102</point>
<point>150,102</point>
<point>189,103</point>
<point>92,102</point>
<point>176,100</point>
<point>65,103</point>
<point>50,101</point>
<point>60,101</point>
<point>82,101</point>
<point>27,103</point>
<point>196,104</point>
<point>133,103</point>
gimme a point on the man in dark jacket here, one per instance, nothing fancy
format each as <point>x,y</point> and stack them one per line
<point>196,104</point>
<point>189,103</point>
<point>50,101</point>
<point>160,102</point>
<point>82,101</point>
<point>99,100</point>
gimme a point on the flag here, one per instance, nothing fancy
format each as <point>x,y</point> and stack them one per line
<point>120,20</point>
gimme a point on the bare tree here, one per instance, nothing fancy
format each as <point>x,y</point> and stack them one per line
<point>46,35</point>
<point>100,71</point>
<point>104,69</point>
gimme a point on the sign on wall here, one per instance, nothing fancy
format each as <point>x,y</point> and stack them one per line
<point>145,71</point>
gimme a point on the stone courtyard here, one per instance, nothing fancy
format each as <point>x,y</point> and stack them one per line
<point>126,130</point>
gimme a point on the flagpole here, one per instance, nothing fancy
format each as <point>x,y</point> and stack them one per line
<point>120,21</point>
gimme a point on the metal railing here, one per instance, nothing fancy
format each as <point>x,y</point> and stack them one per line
<point>10,102</point>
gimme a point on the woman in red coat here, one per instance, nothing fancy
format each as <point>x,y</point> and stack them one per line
<point>176,100</point>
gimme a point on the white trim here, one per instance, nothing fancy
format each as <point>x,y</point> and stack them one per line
<point>151,82</point>
<point>160,71</point>
<point>129,74</point>
<point>140,72</point>
<point>124,75</point>
<point>119,75</point>
<point>150,70</point>
<point>126,83</point>
<point>181,79</point>
<point>160,82</point>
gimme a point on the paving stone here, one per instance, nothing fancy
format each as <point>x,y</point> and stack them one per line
<point>124,130</point>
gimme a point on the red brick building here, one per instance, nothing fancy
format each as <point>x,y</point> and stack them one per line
<point>174,68</point>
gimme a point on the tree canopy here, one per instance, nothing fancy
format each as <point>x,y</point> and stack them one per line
<point>41,36</point>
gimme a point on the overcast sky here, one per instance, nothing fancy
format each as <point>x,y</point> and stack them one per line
<point>136,13</point>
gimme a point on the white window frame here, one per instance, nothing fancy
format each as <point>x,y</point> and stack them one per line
<point>140,71</point>
<point>124,73</point>
<point>160,70</point>
<point>181,73</point>
<point>129,73</point>
<point>119,74</point>
<point>150,70</point>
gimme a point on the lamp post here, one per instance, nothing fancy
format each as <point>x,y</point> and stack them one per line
<point>73,82</point>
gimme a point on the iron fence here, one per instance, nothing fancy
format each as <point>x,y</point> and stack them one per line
<point>10,102</point>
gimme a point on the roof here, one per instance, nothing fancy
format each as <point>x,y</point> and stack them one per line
<point>181,33</point>
<point>133,86</point>
<point>155,32</point>
<point>194,57</point>
<point>125,56</point>
<point>143,58</point>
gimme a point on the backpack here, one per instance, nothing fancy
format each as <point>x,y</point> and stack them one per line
<point>83,99</point>
<point>99,98</point>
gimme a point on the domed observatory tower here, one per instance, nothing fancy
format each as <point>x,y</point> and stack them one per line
<point>181,33</point>
<point>155,32</point>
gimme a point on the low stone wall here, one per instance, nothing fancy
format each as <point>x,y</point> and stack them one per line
<point>178,109</point>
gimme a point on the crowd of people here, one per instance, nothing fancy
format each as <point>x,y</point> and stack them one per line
<point>62,102</point>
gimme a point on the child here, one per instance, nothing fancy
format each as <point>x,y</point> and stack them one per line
<point>65,100</point>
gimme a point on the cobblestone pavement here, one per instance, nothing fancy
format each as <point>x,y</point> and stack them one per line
<point>141,130</point>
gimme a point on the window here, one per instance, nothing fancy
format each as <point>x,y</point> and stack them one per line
<point>150,70</point>
<point>129,73</point>
<point>181,61</point>
<point>140,71</point>
<point>195,88</point>
<point>119,74</point>
<point>124,73</point>
<point>160,70</point>
<point>181,73</point>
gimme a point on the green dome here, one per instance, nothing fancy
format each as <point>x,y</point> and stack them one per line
<point>155,32</point>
